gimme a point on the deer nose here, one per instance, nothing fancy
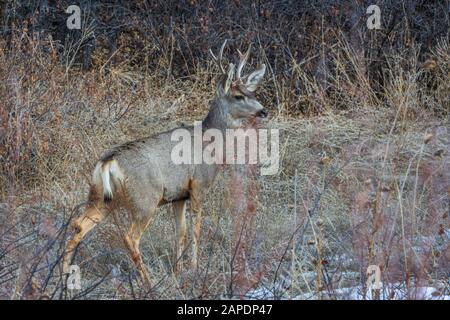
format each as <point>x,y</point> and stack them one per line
<point>262,113</point>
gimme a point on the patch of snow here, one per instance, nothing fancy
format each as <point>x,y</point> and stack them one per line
<point>391,292</point>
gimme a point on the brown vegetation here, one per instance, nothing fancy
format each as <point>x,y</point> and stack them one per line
<point>365,145</point>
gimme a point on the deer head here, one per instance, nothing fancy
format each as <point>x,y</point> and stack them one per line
<point>236,93</point>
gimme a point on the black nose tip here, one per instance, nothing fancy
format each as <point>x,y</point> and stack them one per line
<point>263,113</point>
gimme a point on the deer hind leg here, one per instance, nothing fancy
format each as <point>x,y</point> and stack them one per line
<point>132,240</point>
<point>85,223</point>
<point>179,209</point>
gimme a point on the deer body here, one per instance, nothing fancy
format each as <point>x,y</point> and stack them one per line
<point>140,175</point>
<point>147,163</point>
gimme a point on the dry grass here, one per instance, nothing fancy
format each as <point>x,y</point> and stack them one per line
<point>367,185</point>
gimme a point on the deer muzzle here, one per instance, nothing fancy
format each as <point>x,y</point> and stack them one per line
<point>262,113</point>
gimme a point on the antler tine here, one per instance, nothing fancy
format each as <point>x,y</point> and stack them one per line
<point>218,59</point>
<point>242,61</point>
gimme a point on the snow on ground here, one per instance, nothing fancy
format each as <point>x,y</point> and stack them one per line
<point>395,291</point>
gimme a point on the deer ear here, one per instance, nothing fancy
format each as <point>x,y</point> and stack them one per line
<point>229,81</point>
<point>254,79</point>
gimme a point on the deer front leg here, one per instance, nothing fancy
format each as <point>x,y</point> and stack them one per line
<point>197,223</point>
<point>179,210</point>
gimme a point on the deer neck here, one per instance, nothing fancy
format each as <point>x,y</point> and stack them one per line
<point>216,118</point>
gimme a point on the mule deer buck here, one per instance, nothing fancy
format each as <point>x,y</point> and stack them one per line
<point>142,172</point>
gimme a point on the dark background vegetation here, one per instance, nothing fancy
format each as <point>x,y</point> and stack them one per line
<point>286,31</point>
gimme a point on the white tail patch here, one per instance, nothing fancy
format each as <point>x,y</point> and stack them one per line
<point>107,191</point>
<point>105,173</point>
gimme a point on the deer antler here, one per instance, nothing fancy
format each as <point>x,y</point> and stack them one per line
<point>242,61</point>
<point>218,59</point>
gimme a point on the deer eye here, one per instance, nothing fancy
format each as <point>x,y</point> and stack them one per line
<point>239,97</point>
